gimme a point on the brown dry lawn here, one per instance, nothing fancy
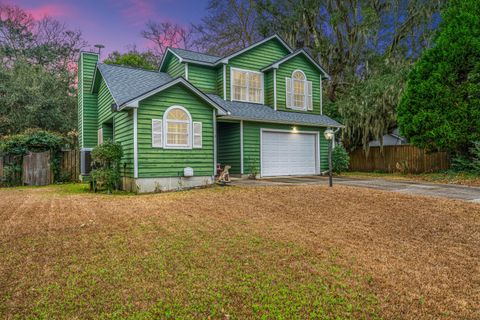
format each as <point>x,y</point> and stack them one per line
<point>294,252</point>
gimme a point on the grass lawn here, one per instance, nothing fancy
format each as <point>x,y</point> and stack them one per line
<point>464,178</point>
<point>296,252</point>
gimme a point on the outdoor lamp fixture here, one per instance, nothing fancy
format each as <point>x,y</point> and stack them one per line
<point>329,134</point>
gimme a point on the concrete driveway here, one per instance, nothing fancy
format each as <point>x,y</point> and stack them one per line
<point>450,191</point>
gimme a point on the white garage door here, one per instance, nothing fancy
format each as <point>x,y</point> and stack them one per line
<point>288,154</point>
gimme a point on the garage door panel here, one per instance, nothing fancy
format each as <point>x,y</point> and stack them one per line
<point>288,153</point>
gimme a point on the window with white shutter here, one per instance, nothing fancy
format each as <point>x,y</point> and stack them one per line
<point>288,96</point>
<point>197,134</point>
<point>157,133</point>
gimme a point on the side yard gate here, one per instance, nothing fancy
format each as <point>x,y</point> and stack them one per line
<point>37,170</point>
<point>402,158</point>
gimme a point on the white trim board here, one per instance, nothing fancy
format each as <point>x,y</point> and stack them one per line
<point>135,143</point>
<point>292,55</point>
<point>225,82</point>
<point>133,103</point>
<point>275,89</point>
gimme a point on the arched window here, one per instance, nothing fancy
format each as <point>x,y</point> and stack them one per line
<point>178,127</point>
<point>299,83</point>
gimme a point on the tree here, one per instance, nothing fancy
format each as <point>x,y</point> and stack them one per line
<point>37,72</point>
<point>345,34</point>
<point>369,108</point>
<point>33,97</point>
<point>229,26</point>
<point>133,58</point>
<point>46,42</point>
<point>440,109</point>
<point>167,34</point>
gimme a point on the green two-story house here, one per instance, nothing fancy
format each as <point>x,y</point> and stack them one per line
<point>258,110</point>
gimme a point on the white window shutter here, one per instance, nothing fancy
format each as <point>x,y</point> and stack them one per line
<point>308,96</point>
<point>100,136</point>
<point>157,133</point>
<point>197,134</point>
<point>288,96</point>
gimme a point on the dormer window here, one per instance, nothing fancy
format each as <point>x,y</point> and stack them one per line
<point>299,91</point>
<point>247,86</point>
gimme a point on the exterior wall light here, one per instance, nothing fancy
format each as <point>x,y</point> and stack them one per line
<point>329,135</point>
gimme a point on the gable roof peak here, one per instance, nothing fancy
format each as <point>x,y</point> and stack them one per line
<point>264,40</point>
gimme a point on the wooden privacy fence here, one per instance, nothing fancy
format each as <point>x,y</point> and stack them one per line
<point>404,158</point>
<point>36,169</point>
<point>70,164</point>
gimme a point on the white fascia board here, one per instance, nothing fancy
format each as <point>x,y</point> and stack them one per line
<point>165,57</point>
<point>106,83</point>
<point>134,102</point>
<point>282,122</point>
<point>275,36</point>
<point>278,63</point>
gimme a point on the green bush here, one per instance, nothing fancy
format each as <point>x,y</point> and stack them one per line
<point>34,140</point>
<point>470,162</point>
<point>340,159</point>
<point>106,162</point>
<point>12,174</point>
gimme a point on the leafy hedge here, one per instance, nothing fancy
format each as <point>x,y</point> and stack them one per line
<point>32,140</point>
<point>106,161</point>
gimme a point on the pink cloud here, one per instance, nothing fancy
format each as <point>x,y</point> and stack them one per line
<point>50,10</point>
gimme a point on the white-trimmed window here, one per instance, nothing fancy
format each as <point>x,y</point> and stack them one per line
<point>247,85</point>
<point>299,91</point>
<point>157,133</point>
<point>176,130</point>
<point>178,124</point>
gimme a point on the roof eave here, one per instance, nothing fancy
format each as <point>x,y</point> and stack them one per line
<point>225,60</point>
<point>165,57</point>
<point>298,123</point>
<point>276,65</point>
<point>134,103</point>
<point>106,82</point>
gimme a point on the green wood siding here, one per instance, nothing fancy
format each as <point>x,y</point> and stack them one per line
<point>220,81</point>
<point>257,58</point>
<point>173,67</point>
<point>251,143</point>
<point>202,77</point>
<point>87,102</point>
<point>268,87</point>
<point>123,127</point>
<point>158,162</point>
<point>229,145</point>
<point>286,69</point>
<point>105,101</point>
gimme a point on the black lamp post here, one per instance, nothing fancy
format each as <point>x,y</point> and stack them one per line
<point>329,134</point>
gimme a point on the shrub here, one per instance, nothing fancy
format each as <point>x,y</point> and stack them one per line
<point>12,174</point>
<point>340,159</point>
<point>34,140</point>
<point>470,163</point>
<point>106,161</point>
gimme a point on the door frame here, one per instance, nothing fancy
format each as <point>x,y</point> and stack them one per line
<point>317,145</point>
